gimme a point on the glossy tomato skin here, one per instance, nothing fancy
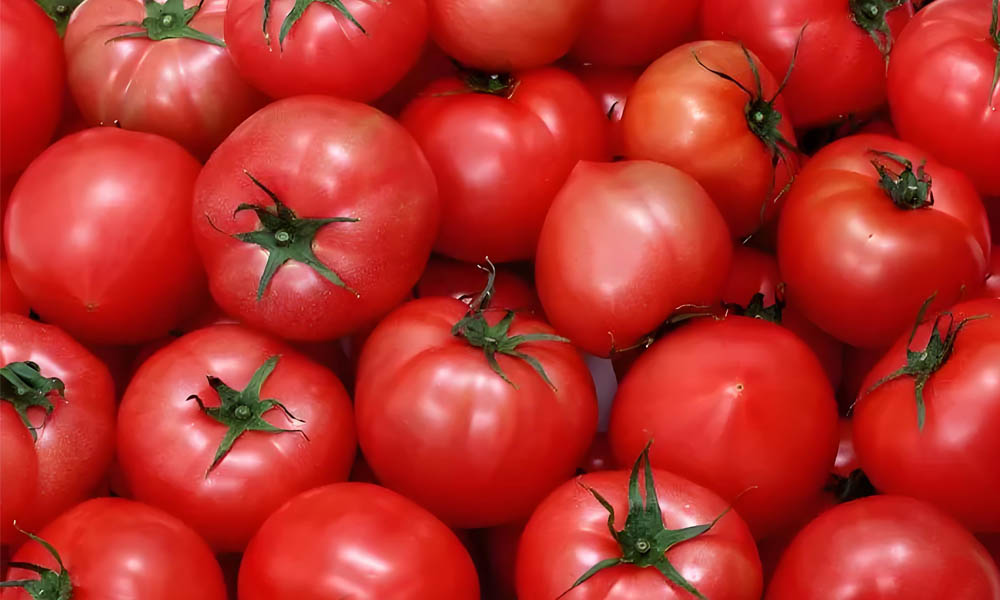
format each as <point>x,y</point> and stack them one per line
<point>465,281</point>
<point>839,70</point>
<point>843,243</point>
<point>568,533</point>
<point>116,548</point>
<point>324,53</point>
<point>947,47</point>
<point>499,160</point>
<point>18,472</point>
<point>33,89</point>
<point>11,298</point>
<point>951,462</point>
<point>356,540</point>
<point>759,401</point>
<point>428,406</point>
<point>681,114</point>
<point>262,470</point>
<point>323,157</point>
<point>625,34</point>
<point>991,289</point>
<point>125,270</point>
<point>611,87</point>
<point>184,89</point>
<point>624,245</point>
<point>886,547</point>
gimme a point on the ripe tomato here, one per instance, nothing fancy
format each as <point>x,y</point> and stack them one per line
<point>115,548</point>
<point>729,136</point>
<point>885,547</point>
<point>18,471</point>
<point>464,281</point>
<point>624,245</point>
<point>314,218</point>
<point>68,399</point>
<point>285,426</point>
<point>357,50</point>
<point>11,298</point>
<point>500,156</point>
<point>864,239</point>
<point>355,540</point>
<point>951,46</point>
<point>625,34</point>
<point>611,87</point>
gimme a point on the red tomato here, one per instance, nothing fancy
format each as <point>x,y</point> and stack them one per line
<point>299,47</point>
<point>18,472</point>
<point>885,547</point>
<point>896,242</point>
<point>951,46</point>
<point>759,401</point>
<point>74,443</point>
<point>123,268</point>
<point>501,156</point>
<point>115,548</point>
<point>34,76</point>
<point>337,230</point>
<point>733,141</point>
<point>464,281</point>
<point>927,423</point>
<point>992,287</point>
<point>355,540</point>
<point>624,245</point>
<point>624,34</point>
<point>11,298</point>
<point>611,87</point>
<point>291,419</point>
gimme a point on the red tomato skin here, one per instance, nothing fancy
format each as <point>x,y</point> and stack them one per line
<point>626,34</point>
<point>722,563</point>
<point>116,548</point>
<point>262,470</point>
<point>499,161</point>
<point>760,402</point>
<point>836,202</point>
<point>991,289</point>
<point>951,462</point>
<point>428,406</point>
<point>18,472</point>
<point>324,52</point>
<point>680,114</point>
<point>666,245</point>
<point>885,547</point>
<point>355,540</point>
<point>11,298</point>
<point>33,89</point>
<point>947,47</point>
<point>464,281</point>
<point>338,159</point>
<point>611,88</point>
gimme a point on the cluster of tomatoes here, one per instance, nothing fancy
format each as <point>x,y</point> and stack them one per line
<point>536,299</point>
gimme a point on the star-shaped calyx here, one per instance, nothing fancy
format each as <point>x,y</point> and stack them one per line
<point>59,11</point>
<point>167,21</point>
<point>908,189</point>
<point>50,585</point>
<point>299,9</point>
<point>23,385</point>
<point>870,16</point>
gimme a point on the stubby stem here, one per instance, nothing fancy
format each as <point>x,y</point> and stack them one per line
<point>23,385</point>
<point>870,15</point>
<point>909,189</point>
<point>59,11</point>
<point>168,21</point>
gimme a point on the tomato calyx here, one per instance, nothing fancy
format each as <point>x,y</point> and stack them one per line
<point>50,585</point>
<point>243,410</point>
<point>853,487</point>
<point>995,36</point>
<point>644,540</point>
<point>59,11</point>
<point>495,84</point>
<point>23,385</point>
<point>908,189</point>
<point>167,21</point>
<point>756,309</point>
<point>299,9</point>
<point>870,16</point>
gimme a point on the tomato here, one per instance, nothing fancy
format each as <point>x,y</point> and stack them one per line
<point>623,247</point>
<point>33,88</point>
<point>992,287</point>
<point>886,547</point>
<point>115,548</point>
<point>733,404</point>
<point>73,443</point>
<point>355,540</point>
<point>599,457</point>
<point>18,471</point>
<point>927,422</point>
<point>501,156</point>
<point>864,239</point>
<point>611,87</point>
<point>624,34</point>
<point>122,268</point>
<point>951,46</point>
<point>314,218</point>
<point>356,51</point>
<point>734,141</point>
<point>11,298</point>
<point>285,426</point>
<point>464,281</point>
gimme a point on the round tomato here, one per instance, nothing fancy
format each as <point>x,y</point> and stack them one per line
<point>624,34</point>
<point>247,422</point>
<point>315,217</point>
<point>355,540</point>
<point>611,87</point>
<point>866,237</point>
<point>11,298</point>
<point>464,281</point>
<point>501,147</point>
<point>623,247</point>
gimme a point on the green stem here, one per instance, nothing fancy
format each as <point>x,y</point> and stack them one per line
<point>167,21</point>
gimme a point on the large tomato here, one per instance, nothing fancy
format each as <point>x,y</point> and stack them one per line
<point>611,87</point>
<point>247,422</point>
<point>113,548</point>
<point>11,298</point>
<point>634,33</point>
<point>357,50</point>
<point>315,217</point>
<point>729,135</point>
<point>865,238</point>
<point>464,281</point>
<point>951,45</point>
<point>501,147</point>
<point>355,540</point>
<point>625,245</point>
